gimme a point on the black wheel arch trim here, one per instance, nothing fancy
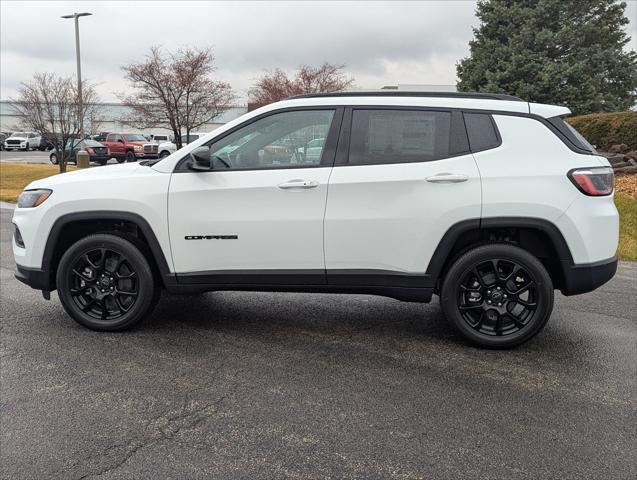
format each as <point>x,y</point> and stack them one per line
<point>575,278</point>
<point>141,223</point>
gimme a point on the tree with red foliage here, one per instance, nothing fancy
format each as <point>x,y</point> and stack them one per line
<point>276,85</point>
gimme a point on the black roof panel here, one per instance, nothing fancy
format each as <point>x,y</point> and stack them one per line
<point>405,93</point>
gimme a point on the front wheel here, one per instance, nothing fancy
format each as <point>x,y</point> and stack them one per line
<point>164,154</point>
<point>497,296</point>
<point>27,148</point>
<point>106,283</point>
<point>130,156</point>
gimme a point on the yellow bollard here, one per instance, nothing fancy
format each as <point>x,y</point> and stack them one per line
<point>82,158</point>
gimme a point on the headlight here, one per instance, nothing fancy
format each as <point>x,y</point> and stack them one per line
<point>138,147</point>
<point>33,198</point>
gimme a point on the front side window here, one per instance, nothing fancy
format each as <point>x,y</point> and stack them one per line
<point>286,139</point>
<point>398,136</point>
<point>186,139</point>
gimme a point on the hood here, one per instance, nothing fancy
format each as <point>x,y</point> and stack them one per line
<point>101,174</point>
<point>16,137</point>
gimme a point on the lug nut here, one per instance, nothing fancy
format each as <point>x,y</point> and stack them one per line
<point>488,291</point>
<point>489,302</point>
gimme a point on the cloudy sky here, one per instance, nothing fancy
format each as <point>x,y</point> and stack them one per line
<point>382,43</point>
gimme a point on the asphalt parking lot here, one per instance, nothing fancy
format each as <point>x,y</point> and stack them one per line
<point>262,385</point>
<point>32,156</point>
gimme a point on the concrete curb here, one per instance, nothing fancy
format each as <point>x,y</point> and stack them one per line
<point>7,205</point>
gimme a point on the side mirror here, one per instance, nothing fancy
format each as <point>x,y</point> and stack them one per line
<point>200,159</point>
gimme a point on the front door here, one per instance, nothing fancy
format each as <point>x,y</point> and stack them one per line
<point>257,216</point>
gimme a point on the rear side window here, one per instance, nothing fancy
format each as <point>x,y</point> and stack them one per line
<point>481,131</point>
<point>573,136</point>
<point>398,136</point>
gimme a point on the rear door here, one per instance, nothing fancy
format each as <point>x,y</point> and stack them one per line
<point>402,178</point>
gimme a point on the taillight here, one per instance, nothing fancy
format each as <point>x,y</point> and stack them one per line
<point>594,181</point>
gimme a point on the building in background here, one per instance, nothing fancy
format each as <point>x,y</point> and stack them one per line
<point>113,116</point>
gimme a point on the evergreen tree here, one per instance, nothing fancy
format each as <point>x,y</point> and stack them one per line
<point>568,52</point>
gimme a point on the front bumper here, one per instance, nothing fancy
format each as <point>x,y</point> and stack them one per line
<point>35,278</point>
<point>582,278</point>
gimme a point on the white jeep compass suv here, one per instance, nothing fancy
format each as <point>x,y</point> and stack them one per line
<point>485,200</point>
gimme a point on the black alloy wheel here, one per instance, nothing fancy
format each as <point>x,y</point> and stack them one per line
<point>497,295</point>
<point>106,283</point>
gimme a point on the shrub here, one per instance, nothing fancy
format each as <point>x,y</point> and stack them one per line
<point>607,129</point>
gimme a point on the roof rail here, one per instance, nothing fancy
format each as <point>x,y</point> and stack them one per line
<point>405,93</point>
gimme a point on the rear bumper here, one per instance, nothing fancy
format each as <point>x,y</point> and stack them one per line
<point>582,278</point>
<point>34,278</point>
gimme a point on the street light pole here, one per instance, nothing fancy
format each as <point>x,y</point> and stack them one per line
<point>80,98</point>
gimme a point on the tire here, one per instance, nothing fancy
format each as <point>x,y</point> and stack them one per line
<point>27,148</point>
<point>497,296</point>
<point>164,154</point>
<point>53,158</point>
<point>102,162</point>
<point>120,160</point>
<point>105,283</point>
<point>130,156</point>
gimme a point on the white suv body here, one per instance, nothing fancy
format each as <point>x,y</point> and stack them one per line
<point>486,200</point>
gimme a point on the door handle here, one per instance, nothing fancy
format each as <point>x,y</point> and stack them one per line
<point>448,178</point>
<point>298,183</point>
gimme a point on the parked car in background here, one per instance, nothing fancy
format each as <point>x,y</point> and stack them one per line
<point>161,138</point>
<point>167,148</point>
<point>45,144</point>
<point>22,141</point>
<point>3,137</point>
<point>128,147</point>
<point>97,151</point>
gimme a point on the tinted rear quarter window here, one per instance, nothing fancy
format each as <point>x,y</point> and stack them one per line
<point>573,136</point>
<point>398,136</point>
<point>481,131</point>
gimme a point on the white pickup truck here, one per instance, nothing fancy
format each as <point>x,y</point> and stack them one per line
<point>23,141</point>
<point>167,148</point>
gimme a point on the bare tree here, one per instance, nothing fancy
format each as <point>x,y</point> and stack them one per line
<point>175,91</point>
<point>48,105</point>
<point>276,85</point>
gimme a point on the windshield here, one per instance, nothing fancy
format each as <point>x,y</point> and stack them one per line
<point>19,134</point>
<point>134,137</point>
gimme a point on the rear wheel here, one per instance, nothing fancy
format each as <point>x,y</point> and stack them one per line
<point>497,296</point>
<point>54,158</point>
<point>106,283</point>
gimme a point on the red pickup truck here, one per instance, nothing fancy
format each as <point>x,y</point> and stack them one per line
<point>129,147</point>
